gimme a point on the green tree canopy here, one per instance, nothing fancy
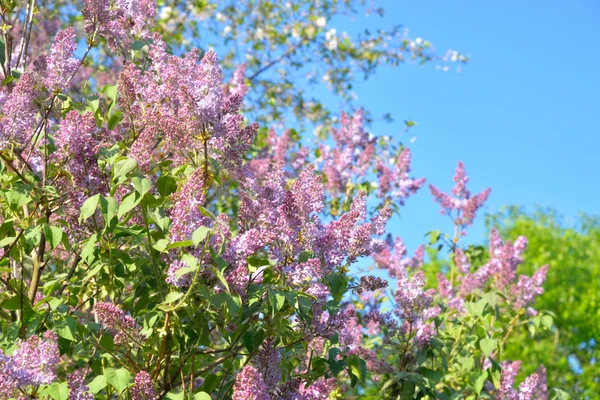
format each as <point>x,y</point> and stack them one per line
<point>572,291</point>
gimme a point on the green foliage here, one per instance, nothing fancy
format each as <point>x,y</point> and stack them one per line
<point>572,293</point>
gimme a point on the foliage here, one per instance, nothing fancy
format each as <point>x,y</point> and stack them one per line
<point>571,293</point>
<point>290,50</point>
<point>156,244</point>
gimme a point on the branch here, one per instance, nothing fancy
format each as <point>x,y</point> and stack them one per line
<point>24,46</point>
<point>276,60</point>
<point>72,267</point>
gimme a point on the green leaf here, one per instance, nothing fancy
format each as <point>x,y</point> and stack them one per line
<point>7,241</point>
<point>118,378</point>
<point>141,185</point>
<point>58,391</point>
<point>201,396</point>
<point>14,303</point>
<point>357,368</point>
<point>433,376</point>
<point>176,395</point>
<point>476,308</point>
<point>277,300</point>
<point>434,236</point>
<point>108,207</point>
<point>547,321</point>
<point>123,167</point>
<point>97,384</point>
<point>158,215</point>
<point>172,297</point>
<point>166,185</point>
<point>129,202</point>
<point>253,340</point>
<point>487,346</point>
<point>89,207</point>
<point>114,119</point>
<point>67,328</point>
<point>2,56</point>
<point>88,249</point>
<point>200,234</point>
<point>210,383</point>
<point>480,381</point>
<point>161,245</point>
<point>53,235</point>
<point>110,91</point>
<point>337,286</point>
<point>561,395</point>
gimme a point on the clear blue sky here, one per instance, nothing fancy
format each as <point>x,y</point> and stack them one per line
<point>524,113</point>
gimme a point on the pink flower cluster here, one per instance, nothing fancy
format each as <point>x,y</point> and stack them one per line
<point>143,388</point>
<point>532,388</point>
<point>395,180</point>
<point>284,223</point>
<point>32,363</point>
<point>112,317</point>
<point>415,308</point>
<point>351,155</point>
<point>393,257</point>
<point>18,107</point>
<point>178,106</point>
<point>119,23</point>
<point>249,385</point>
<point>463,207</point>
<point>78,390</point>
<point>499,272</point>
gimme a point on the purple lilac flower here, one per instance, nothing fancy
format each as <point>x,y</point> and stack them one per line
<point>249,385</point>
<point>267,361</point>
<point>61,63</point>
<point>143,388</point>
<point>32,363</point>
<point>78,389</point>
<point>112,317</point>
<point>463,207</point>
<point>19,112</point>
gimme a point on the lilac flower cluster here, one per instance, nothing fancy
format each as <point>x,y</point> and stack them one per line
<point>393,257</point>
<point>61,65</point>
<point>32,363</point>
<point>280,150</point>
<point>119,23</point>
<point>249,385</point>
<point>178,106</point>
<point>286,222</point>
<point>395,180</point>
<point>499,272</point>
<point>463,207</point>
<point>19,112</point>
<point>78,141</point>
<point>370,284</point>
<point>143,388</point>
<point>18,108</point>
<point>267,362</point>
<point>351,155</point>
<point>112,317</point>
<point>532,388</point>
<point>414,307</point>
<point>78,390</point>
<point>355,154</point>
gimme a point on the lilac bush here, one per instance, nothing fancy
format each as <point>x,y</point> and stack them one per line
<point>158,244</point>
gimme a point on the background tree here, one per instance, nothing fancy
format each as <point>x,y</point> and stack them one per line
<point>571,248</point>
<point>154,243</point>
<point>290,49</point>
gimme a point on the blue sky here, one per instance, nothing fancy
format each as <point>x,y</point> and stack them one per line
<point>523,115</point>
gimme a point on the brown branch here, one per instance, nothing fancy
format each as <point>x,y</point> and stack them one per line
<point>287,53</point>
